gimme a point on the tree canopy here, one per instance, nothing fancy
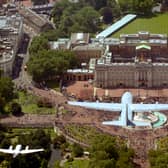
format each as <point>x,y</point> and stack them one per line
<point>6,91</point>
<point>75,17</point>
<point>107,153</point>
<point>41,2</point>
<point>159,158</point>
<point>141,7</point>
<point>48,63</point>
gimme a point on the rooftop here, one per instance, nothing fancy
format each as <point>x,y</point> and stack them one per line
<point>114,27</point>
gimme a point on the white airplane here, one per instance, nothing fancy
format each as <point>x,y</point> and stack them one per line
<point>18,150</point>
<point>127,107</point>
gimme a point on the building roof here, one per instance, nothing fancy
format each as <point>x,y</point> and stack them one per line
<point>32,17</point>
<point>143,46</point>
<point>78,38</point>
<point>92,47</point>
<point>116,26</point>
<point>2,22</point>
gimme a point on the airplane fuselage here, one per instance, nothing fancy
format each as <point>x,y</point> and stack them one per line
<point>17,150</point>
<point>126,112</point>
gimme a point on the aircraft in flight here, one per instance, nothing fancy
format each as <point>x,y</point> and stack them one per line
<point>18,150</point>
<point>127,108</point>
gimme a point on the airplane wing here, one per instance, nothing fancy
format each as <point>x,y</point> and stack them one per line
<point>31,151</point>
<point>7,151</point>
<point>148,107</point>
<point>98,106</point>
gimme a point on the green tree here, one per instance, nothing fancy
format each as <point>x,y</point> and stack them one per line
<point>58,11</point>
<point>57,164</point>
<point>143,7</point>
<point>4,164</point>
<point>88,19</point>
<point>107,153</point>
<point>77,150</point>
<point>15,108</point>
<point>6,89</point>
<point>58,141</point>
<point>39,43</point>
<point>126,6</point>
<point>41,2</point>
<point>106,12</point>
<point>159,158</point>
<point>45,64</point>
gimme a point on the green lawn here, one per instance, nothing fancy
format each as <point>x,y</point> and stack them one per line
<point>29,104</point>
<point>156,24</point>
<point>77,164</point>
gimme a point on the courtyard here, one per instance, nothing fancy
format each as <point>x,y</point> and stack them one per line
<point>85,90</point>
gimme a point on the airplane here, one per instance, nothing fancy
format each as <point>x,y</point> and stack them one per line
<point>127,108</point>
<point>18,150</point>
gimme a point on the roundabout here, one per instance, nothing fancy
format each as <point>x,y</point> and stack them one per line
<point>156,119</point>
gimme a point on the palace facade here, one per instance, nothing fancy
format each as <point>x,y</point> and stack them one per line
<point>134,60</point>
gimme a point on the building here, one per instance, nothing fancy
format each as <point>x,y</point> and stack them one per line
<point>85,52</point>
<point>78,75</point>
<point>3,2</point>
<point>35,21</point>
<point>11,31</point>
<point>134,60</point>
<point>81,45</point>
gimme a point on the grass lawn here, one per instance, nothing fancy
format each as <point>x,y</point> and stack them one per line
<point>156,24</point>
<point>29,104</point>
<point>77,164</point>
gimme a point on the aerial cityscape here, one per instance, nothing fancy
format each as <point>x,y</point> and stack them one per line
<point>83,83</point>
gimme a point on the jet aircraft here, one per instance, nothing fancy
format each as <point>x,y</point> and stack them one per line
<point>18,150</point>
<point>127,107</point>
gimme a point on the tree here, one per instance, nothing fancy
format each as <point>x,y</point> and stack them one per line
<point>77,150</point>
<point>126,6</point>
<point>39,43</point>
<point>15,108</point>
<point>97,4</point>
<point>88,19</point>
<point>6,89</point>
<point>58,11</point>
<point>159,158</point>
<point>57,164</point>
<point>106,12</point>
<point>58,141</point>
<point>143,7</point>
<point>41,2</point>
<point>4,164</point>
<point>106,153</point>
<point>48,63</point>
<point>2,104</point>
<point>5,143</point>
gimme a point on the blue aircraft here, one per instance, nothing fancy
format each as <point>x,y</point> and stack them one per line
<point>127,108</point>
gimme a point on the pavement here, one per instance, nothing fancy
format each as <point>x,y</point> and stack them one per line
<point>79,90</point>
